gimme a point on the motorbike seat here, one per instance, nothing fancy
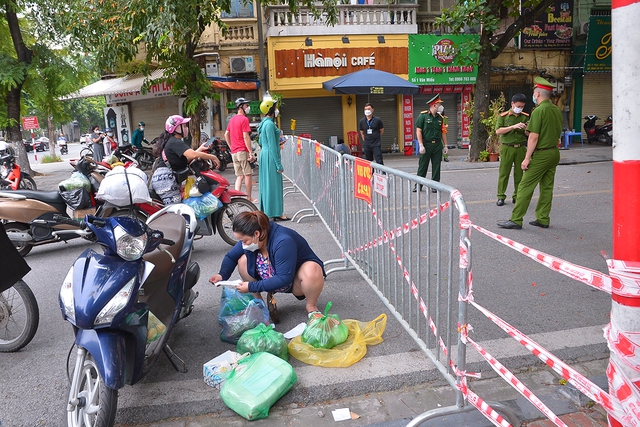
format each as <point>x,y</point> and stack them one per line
<point>174,228</point>
<point>52,198</point>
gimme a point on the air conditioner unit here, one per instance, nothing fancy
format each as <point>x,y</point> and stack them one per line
<point>212,69</point>
<point>583,29</point>
<point>241,64</point>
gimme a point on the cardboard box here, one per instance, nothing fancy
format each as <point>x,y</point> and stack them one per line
<point>218,369</point>
<point>80,213</point>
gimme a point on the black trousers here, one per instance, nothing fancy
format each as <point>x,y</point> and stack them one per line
<point>373,153</point>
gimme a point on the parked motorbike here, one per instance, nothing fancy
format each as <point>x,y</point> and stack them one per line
<point>219,148</point>
<point>11,177</point>
<point>62,145</point>
<point>144,156</point>
<point>602,134</point>
<point>123,305</point>
<point>19,314</point>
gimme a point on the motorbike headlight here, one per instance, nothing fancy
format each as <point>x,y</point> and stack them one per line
<point>66,296</point>
<point>128,247</point>
<point>116,304</point>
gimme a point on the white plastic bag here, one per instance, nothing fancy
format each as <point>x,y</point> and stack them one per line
<point>121,187</point>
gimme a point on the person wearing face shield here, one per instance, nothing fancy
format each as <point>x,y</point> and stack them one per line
<point>271,169</point>
<point>510,127</point>
<point>371,130</point>
<point>274,259</point>
<point>432,140</point>
<point>238,139</point>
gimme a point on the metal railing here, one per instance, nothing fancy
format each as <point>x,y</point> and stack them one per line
<point>405,245</point>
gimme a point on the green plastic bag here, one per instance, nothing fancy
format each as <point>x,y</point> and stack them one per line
<point>263,338</point>
<point>325,331</point>
<point>256,384</point>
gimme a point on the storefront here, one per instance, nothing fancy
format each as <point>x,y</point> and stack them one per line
<point>434,66</point>
<point>299,65</point>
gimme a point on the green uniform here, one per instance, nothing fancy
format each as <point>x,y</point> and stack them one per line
<point>546,121</point>
<point>512,152</point>
<point>432,141</point>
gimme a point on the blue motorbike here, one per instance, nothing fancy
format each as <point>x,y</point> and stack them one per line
<point>123,305</point>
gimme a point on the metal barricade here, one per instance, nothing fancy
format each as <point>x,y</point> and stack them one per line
<point>405,244</point>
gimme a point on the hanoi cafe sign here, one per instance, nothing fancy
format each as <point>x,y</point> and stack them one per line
<point>553,29</point>
<point>433,60</point>
<point>327,62</point>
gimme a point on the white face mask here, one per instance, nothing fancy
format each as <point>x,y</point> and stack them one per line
<point>440,108</point>
<point>251,247</point>
<point>110,133</point>
<point>517,110</point>
<point>247,109</point>
<point>141,128</point>
<point>276,113</point>
<point>368,113</point>
<point>534,99</point>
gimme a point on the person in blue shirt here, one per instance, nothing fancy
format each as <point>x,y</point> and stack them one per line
<point>272,258</point>
<point>138,136</point>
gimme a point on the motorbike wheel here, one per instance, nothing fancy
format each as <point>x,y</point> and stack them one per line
<point>64,151</point>
<point>27,183</point>
<point>19,317</point>
<point>224,223</point>
<point>90,402</point>
<point>223,165</point>
<point>145,160</point>
<point>16,227</point>
<point>86,152</point>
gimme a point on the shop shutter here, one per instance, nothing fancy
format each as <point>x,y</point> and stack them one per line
<point>450,103</point>
<point>318,117</point>
<point>153,112</point>
<point>386,108</point>
<point>596,97</point>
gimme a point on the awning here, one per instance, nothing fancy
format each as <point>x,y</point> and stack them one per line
<point>233,83</point>
<point>128,83</point>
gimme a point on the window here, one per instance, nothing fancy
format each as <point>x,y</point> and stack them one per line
<point>239,9</point>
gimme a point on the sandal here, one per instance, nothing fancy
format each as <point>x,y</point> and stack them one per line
<point>273,309</point>
<point>279,218</point>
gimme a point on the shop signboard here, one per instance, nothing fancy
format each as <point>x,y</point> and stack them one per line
<point>553,29</point>
<point>598,52</point>
<point>407,120</point>
<point>434,60</point>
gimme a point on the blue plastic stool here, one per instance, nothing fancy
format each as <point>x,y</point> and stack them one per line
<point>568,136</point>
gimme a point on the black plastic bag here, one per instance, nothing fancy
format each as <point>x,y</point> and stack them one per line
<point>76,199</point>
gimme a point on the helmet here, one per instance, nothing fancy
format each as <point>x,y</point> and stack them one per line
<point>267,105</point>
<point>108,130</point>
<point>141,124</point>
<point>241,101</point>
<point>174,121</point>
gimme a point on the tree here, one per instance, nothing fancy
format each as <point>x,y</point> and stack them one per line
<point>167,33</point>
<point>485,15</point>
<point>29,65</point>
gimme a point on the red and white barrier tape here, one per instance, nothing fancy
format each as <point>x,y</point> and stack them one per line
<point>513,380</point>
<point>482,406</point>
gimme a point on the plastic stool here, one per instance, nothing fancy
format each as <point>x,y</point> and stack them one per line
<point>568,136</point>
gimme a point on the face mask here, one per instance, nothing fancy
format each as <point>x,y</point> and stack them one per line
<point>142,129</point>
<point>368,113</point>
<point>276,113</point>
<point>110,133</point>
<point>534,99</point>
<point>440,109</point>
<point>247,109</point>
<point>251,247</point>
<point>517,110</point>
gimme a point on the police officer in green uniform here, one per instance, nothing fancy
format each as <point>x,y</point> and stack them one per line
<point>431,140</point>
<point>511,126</point>
<point>541,159</point>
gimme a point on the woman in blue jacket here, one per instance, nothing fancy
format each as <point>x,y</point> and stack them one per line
<point>271,258</point>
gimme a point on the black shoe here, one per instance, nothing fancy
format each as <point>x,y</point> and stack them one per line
<point>500,202</point>
<point>415,189</point>
<point>509,225</point>
<point>513,200</point>
<point>537,224</point>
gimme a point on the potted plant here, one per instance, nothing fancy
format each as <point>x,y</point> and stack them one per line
<point>493,142</point>
<point>483,156</point>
